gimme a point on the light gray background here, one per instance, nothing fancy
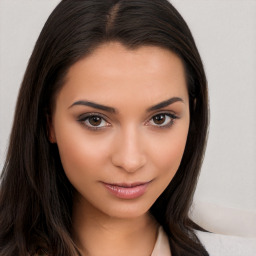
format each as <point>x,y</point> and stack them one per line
<point>225,32</point>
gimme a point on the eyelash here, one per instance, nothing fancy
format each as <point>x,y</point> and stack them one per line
<point>85,117</point>
<point>172,117</point>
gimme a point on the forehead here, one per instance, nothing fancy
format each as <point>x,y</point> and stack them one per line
<point>114,72</point>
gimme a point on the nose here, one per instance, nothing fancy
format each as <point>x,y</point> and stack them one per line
<point>129,154</point>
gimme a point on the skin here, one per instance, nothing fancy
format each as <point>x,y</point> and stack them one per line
<point>129,145</point>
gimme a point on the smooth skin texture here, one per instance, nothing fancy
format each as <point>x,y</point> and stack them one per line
<point>128,142</point>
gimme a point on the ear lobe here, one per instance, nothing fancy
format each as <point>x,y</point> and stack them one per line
<point>50,130</point>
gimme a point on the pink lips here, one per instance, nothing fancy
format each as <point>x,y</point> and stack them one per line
<point>127,191</point>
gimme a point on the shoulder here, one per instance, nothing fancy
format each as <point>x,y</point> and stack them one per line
<point>224,245</point>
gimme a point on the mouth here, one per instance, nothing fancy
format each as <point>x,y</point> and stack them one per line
<point>127,190</point>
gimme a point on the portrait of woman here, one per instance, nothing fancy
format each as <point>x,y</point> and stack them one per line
<point>109,135</point>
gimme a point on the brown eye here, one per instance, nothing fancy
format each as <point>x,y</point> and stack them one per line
<point>162,120</point>
<point>159,119</point>
<point>92,121</point>
<point>95,120</point>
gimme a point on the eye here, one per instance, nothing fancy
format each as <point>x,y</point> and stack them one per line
<point>93,121</point>
<point>163,120</point>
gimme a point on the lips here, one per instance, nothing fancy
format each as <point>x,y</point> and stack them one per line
<point>127,191</point>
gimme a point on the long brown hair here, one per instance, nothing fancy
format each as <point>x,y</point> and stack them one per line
<point>35,194</point>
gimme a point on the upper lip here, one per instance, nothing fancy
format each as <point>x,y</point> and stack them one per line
<point>127,185</point>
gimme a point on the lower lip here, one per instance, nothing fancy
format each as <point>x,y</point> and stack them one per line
<point>127,192</point>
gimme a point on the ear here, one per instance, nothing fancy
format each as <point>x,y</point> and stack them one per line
<point>50,129</point>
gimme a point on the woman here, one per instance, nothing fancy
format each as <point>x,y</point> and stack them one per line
<point>109,135</point>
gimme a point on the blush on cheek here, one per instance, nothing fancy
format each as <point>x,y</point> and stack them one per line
<point>171,157</point>
<point>79,154</point>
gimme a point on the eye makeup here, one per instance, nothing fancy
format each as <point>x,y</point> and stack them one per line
<point>93,121</point>
<point>162,120</point>
<point>97,121</point>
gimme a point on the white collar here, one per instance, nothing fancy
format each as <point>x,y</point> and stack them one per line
<point>162,247</point>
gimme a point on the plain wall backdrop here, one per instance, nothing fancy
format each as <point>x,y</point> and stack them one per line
<point>225,33</point>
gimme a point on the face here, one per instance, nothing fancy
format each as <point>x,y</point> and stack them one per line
<point>120,123</point>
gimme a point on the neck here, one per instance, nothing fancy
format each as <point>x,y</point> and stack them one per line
<point>96,232</point>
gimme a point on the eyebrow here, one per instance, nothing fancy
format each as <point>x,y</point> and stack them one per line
<point>165,103</point>
<point>114,111</point>
<point>94,105</point>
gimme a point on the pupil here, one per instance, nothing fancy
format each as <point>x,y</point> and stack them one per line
<point>159,119</point>
<point>95,120</point>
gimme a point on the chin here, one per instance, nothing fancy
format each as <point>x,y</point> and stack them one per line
<point>127,210</point>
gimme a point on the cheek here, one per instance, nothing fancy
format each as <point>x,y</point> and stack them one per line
<point>168,155</point>
<point>173,154</point>
<point>80,154</point>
